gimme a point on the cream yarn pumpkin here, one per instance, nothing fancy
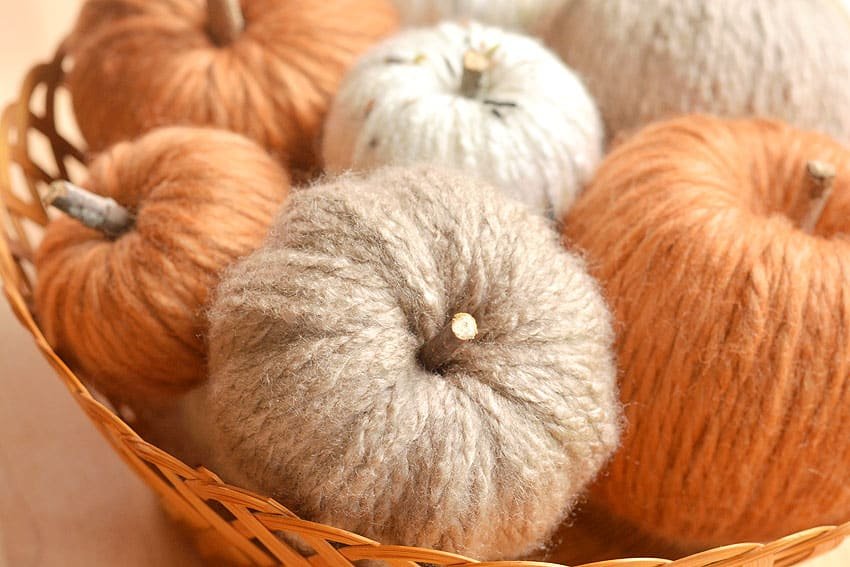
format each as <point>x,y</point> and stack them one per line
<point>522,15</point>
<point>652,59</point>
<point>336,388</point>
<point>477,98</point>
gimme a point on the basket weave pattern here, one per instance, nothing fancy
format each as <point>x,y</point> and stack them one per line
<point>229,523</point>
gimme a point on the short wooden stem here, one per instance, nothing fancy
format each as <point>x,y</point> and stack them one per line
<point>94,211</point>
<point>820,178</point>
<point>475,64</point>
<point>225,20</point>
<point>436,352</point>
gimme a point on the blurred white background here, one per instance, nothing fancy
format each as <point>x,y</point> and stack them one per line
<point>65,498</point>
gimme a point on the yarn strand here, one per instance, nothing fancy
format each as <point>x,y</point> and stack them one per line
<point>820,177</point>
<point>94,211</point>
<point>225,20</point>
<point>475,64</point>
<point>434,353</point>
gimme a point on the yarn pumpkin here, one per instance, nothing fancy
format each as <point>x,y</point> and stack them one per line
<point>345,380</point>
<point>729,278</point>
<point>521,15</point>
<point>490,102</point>
<point>269,74</point>
<point>127,310</point>
<point>653,59</point>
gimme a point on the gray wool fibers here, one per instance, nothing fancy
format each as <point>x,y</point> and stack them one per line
<point>317,395</point>
<point>653,59</point>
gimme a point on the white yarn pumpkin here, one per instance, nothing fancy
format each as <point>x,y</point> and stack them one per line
<point>647,60</point>
<point>531,128</point>
<point>523,15</point>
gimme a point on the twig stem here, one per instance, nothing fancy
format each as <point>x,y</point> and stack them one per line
<point>820,178</point>
<point>475,64</point>
<point>436,352</point>
<point>94,211</point>
<point>225,20</point>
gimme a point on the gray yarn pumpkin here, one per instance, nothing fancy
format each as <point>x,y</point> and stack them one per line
<point>319,397</point>
<point>654,59</point>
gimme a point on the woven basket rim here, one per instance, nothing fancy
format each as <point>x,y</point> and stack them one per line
<point>185,491</point>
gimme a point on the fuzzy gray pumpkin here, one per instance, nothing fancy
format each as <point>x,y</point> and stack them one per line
<point>319,397</point>
<point>653,59</point>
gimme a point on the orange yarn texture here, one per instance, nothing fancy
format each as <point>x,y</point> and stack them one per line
<point>734,338</point>
<point>145,63</point>
<point>129,313</point>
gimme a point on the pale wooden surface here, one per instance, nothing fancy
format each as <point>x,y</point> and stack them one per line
<point>65,498</point>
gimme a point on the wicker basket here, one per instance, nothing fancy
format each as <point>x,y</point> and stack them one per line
<point>228,523</point>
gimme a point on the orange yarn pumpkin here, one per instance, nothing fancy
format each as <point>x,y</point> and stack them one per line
<point>139,64</point>
<point>734,344</point>
<point>128,312</point>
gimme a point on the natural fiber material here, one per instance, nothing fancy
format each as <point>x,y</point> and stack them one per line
<point>321,392</point>
<point>128,312</point>
<point>655,58</point>
<point>523,15</point>
<point>733,345</point>
<point>226,523</point>
<point>519,118</point>
<point>146,63</point>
